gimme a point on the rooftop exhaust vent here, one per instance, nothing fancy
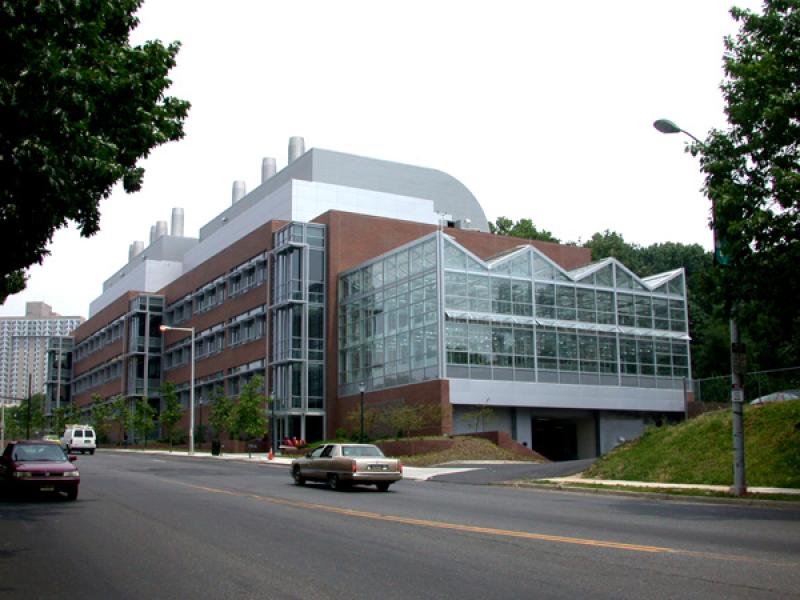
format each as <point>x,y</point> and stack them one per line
<point>297,147</point>
<point>268,168</point>
<point>177,222</point>
<point>239,191</point>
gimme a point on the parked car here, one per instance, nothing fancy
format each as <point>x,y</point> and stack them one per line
<point>348,464</point>
<point>79,438</point>
<point>777,397</point>
<point>39,466</point>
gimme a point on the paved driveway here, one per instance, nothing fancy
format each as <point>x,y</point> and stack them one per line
<point>483,474</point>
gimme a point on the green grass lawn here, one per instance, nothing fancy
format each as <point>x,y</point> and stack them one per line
<point>701,450</point>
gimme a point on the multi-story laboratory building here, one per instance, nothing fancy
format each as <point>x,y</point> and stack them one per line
<point>341,273</point>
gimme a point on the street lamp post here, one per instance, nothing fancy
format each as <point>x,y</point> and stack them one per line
<point>191,382</point>
<point>737,355</point>
<point>273,424</point>
<point>361,388</point>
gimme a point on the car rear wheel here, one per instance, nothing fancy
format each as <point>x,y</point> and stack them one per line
<point>333,481</point>
<point>91,452</point>
<point>298,479</point>
<point>73,493</point>
<point>383,486</point>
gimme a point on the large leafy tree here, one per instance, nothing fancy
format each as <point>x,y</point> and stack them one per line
<point>752,176</point>
<point>524,228</point>
<point>79,107</point>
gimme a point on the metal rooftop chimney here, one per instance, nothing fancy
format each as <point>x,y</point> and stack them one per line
<point>177,222</point>
<point>239,191</point>
<point>161,229</point>
<point>137,248</point>
<point>297,147</point>
<point>268,168</point>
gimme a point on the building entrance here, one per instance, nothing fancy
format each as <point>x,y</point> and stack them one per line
<point>556,439</point>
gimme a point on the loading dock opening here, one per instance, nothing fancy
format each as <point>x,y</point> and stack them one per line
<point>556,439</point>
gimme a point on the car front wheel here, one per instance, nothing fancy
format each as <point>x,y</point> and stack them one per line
<point>73,493</point>
<point>298,478</point>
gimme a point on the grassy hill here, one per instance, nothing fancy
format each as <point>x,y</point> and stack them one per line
<point>701,450</point>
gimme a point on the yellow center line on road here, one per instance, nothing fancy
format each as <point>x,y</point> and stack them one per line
<point>469,528</point>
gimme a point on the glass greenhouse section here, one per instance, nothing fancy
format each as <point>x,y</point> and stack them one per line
<point>520,317</point>
<point>516,317</point>
<point>389,319</point>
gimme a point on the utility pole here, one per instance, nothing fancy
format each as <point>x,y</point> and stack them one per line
<point>28,428</point>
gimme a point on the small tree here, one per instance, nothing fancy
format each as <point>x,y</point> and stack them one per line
<point>371,420</point>
<point>143,419</point>
<point>479,416</point>
<point>220,413</point>
<point>30,416</point>
<point>123,415</point>
<point>57,420</point>
<point>172,412</point>
<point>407,418</point>
<point>71,413</point>
<point>249,419</point>
<point>13,423</point>
<point>101,413</point>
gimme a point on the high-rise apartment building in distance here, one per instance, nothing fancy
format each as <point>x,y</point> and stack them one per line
<point>342,277</point>
<point>23,348</point>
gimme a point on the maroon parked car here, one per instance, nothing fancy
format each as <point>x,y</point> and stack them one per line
<point>39,466</point>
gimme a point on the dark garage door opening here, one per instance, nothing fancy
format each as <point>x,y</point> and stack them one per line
<point>556,439</point>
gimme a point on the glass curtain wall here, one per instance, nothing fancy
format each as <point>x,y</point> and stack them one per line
<point>518,317</point>
<point>388,320</point>
<point>521,318</point>
<point>143,346</point>
<point>59,372</point>
<point>297,357</point>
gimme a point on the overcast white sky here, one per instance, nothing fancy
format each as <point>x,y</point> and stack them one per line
<point>544,110</point>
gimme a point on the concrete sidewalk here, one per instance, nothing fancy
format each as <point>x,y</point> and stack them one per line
<point>612,483</point>
<point>412,473</point>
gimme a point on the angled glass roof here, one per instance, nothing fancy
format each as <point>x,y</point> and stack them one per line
<point>523,259</point>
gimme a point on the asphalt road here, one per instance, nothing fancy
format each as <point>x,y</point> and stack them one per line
<point>182,528</point>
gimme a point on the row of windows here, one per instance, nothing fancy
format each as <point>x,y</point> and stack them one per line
<point>528,347</point>
<point>393,309</point>
<point>244,328</point>
<point>242,278</point>
<point>479,293</point>
<point>97,376</point>
<point>107,335</point>
<point>393,268</point>
<point>390,356</point>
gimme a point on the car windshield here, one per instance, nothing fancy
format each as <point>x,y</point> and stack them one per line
<point>361,451</point>
<point>39,453</point>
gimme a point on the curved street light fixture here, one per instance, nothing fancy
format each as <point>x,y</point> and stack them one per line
<point>164,328</point>
<point>737,389</point>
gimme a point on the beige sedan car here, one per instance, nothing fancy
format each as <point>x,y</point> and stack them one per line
<point>340,465</point>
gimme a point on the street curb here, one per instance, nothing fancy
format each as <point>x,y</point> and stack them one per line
<point>203,456</point>
<point>760,502</point>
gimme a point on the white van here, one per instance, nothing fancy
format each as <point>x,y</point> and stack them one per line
<point>79,438</point>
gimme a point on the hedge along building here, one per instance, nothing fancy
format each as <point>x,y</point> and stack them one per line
<point>342,270</point>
